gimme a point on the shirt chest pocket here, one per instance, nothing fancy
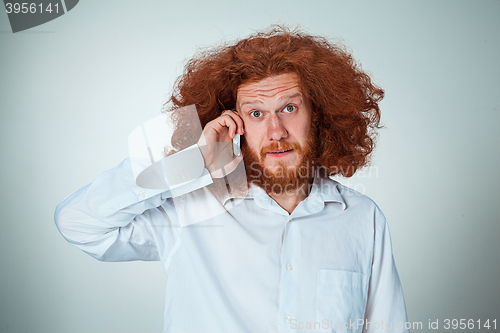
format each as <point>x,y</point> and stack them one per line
<point>340,300</point>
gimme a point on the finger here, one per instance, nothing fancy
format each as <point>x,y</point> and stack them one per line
<point>227,121</point>
<point>237,119</point>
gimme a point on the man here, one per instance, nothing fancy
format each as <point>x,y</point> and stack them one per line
<point>299,252</point>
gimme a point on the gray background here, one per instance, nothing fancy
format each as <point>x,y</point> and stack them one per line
<point>73,89</point>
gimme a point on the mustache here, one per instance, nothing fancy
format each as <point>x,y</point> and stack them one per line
<point>277,146</point>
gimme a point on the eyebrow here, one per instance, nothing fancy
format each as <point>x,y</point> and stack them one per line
<point>291,96</point>
<point>298,94</point>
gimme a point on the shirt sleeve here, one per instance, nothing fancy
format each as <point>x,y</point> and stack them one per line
<point>106,218</point>
<point>385,310</point>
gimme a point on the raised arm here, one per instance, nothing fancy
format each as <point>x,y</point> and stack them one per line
<point>111,218</point>
<point>105,218</point>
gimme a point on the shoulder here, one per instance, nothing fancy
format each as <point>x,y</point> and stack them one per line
<point>355,203</point>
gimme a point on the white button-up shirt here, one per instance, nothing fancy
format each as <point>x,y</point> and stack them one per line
<point>327,267</point>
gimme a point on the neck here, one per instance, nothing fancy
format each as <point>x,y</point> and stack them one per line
<point>291,199</point>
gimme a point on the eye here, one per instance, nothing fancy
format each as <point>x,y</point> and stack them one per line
<point>290,108</point>
<point>256,114</point>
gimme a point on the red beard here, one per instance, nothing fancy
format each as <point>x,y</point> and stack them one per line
<point>287,178</point>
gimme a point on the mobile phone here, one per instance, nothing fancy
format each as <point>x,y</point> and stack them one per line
<point>236,145</point>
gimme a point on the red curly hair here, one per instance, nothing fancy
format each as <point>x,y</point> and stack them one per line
<point>343,100</point>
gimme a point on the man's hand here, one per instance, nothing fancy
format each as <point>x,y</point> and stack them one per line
<point>216,143</point>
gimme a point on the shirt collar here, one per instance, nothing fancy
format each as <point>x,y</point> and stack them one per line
<point>328,189</point>
<point>323,190</point>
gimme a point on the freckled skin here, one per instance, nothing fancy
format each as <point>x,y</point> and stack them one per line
<point>274,112</point>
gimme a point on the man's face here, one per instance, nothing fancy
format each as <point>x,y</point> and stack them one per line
<point>277,123</point>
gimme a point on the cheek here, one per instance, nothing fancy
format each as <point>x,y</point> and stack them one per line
<point>305,129</point>
<point>254,146</point>
<point>301,132</point>
<point>253,136</point>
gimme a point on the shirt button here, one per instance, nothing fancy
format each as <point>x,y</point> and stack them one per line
<point>288,319</point>
<point>289,267</point>
<point>290,220</point>
<point>142,194</point>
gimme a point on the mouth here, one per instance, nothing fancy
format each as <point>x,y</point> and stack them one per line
<point>281,152</point>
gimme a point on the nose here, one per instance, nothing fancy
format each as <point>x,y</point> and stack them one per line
<point>275,128</point>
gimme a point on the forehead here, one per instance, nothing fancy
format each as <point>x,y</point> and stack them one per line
<point>272,86</point>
